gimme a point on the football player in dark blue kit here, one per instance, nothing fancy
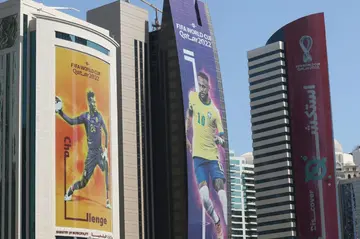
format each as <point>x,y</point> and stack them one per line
<point>96,156</point>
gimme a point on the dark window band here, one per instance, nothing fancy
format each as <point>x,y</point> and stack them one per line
<point>267,79</point>
<point>276,231</point>
<point>281,108</point>
<point>82,41</point>
<point>271,136</point>
<point>275,196</point>
<point>265,55</point>
<point>274,213</point>
<point>270,145</point>
<point>268,87</point>
<point>268,103</point>
<point>273,153</point>
<point>266,180</point>
<point>266,63</point>
<point>270,120</point>
<point>281,91</point>
<point>259,131</point>
<point>267,71</point>
<point>272,162</point>
<point>273,170</point>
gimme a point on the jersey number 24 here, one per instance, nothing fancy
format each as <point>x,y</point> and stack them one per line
<point>92,128</point>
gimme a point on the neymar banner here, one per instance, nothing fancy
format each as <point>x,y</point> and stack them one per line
<point>205,127</point>
<point>83,163</point>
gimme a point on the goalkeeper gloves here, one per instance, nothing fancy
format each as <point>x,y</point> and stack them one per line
<point>104,154</point>
<point>58,104</point>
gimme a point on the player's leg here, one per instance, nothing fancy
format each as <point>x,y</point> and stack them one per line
<point>218,177</point>
<point>90,165</point>
<point>104,166</point>
<point>202,174</point>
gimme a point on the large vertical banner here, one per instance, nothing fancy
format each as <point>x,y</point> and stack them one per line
<point>311,128</point>
<point>83,164</point>
<point>207,198</point>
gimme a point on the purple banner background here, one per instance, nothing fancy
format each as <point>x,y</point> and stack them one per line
<point>197,39</point>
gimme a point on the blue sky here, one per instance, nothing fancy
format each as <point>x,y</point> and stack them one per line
<point>241,25</point>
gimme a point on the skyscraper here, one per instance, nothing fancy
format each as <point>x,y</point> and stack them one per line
<point>349,197</point>
<point>129,26</point>
<point>243,208</point>
<point>292,133</point>
<point>189,132</point>
<point>58,125</point>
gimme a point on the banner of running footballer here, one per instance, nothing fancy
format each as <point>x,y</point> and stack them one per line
<point>205,141</point>
<point>83,163</point>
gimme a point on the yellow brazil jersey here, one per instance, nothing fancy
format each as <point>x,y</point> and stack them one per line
<point>206,123</point>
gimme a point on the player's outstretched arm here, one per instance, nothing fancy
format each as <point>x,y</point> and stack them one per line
<point>220,137</point>
<point>71,121</point>
<point>59,110</point>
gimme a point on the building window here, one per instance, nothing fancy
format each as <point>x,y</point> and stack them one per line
<point>7,134</point>
<point>236,181</point>
<point>236,200</point>
<point>82,41</point>
<point>2,137</point>
<point>235,194</point>
<point>138,127</point>
<point>197,10</point>
<point>235,168</point>
<point>24,124</point>
<point>32,135</point>
<point>237,206</point>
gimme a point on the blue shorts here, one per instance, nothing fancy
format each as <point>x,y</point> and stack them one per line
<point>93,159</point>
<point>205,168</point>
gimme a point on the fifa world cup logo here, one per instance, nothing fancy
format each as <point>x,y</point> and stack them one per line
<point>306,44</point>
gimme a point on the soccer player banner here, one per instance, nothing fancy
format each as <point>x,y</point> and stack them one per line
<point>205,141</point>
<point>83,163</point>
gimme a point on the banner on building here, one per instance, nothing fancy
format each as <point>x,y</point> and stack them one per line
<point>83,163</point>
<point>205,141</point>
<point>311,128</point>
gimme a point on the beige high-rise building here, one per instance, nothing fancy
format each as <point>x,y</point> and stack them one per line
<point>55,177</point>
<point>128,24</point>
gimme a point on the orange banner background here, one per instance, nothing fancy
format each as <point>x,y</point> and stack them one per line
<point>72,89</point>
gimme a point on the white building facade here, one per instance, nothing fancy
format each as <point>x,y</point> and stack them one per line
<point>243,208</point>
<point>347,164</point>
